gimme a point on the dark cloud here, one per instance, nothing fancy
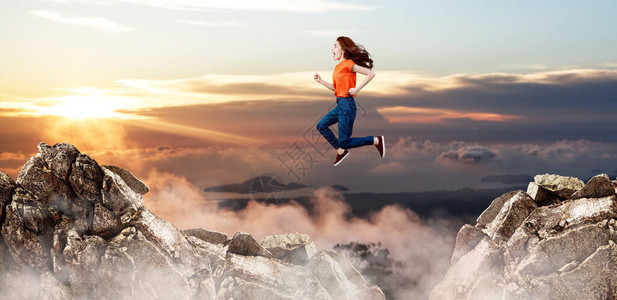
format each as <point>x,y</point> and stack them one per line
<point>470,154</point>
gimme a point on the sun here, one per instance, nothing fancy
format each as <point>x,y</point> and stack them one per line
<point>85,107</point>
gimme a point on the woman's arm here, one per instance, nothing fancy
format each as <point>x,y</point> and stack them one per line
<point>323,82</point>
<point>362,70</point>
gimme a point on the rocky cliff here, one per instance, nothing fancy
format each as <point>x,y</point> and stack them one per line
<point>74,229</point>
<point>554,241</point>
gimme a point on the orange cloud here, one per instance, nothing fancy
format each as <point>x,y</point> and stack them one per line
<point>410,115</point>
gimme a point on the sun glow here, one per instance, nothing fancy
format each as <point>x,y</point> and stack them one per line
<point>87,106</point>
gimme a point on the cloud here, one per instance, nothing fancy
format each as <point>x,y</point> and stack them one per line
<point>299,6</point>
<point>12,156</point>
<point>470,154</point>
<point>230,23</point>
<point>425,243</point>
<point>568,150</point>
<point>412,115</point>
<point>102,24</point>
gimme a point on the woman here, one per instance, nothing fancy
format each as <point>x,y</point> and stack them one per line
<point>356,59</point>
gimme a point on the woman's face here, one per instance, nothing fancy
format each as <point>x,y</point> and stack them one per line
<point>337,51</point>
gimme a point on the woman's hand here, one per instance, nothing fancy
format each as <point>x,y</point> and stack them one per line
<point>317,78</point>
<point>353,91</point>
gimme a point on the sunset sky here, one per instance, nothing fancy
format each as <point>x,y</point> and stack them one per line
<point>217,92</point>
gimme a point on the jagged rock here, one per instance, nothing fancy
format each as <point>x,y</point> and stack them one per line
<point>296,248</point>
<point>348,269</point>
<point>243,243</point>
<point>213,237</point>
<point>133,182</point>
<point>52,289</point>
<point>563,250</point>
<point>475,273</point>
<point>7,188</point>
<point>257,277</point>
<point>58,158</point>
<point>466,239</point>
<point>26,233</point>
<point>493,209</point>
<point>105,222</point>
<point>39,181</point>
<point>118,197</point>
<point>510,216</point>
<point>541,195</point>
<point>597,187</point>
<point>72,229</point>
<point>562,186</point>
<point>86,178</point>
<point>331,276</point>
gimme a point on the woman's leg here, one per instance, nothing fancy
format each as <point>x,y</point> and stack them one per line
<point>346,116</point>
<point>323,127</point>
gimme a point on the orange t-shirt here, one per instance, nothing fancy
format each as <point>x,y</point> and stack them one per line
<point>343,78</point>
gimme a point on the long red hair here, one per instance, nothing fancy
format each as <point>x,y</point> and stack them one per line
<point>355,52</point>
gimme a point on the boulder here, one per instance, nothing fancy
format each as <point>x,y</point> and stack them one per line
<point>133,182</point>
<point>58,158</point>
<point>296,248</point>
<point>331,276</point>
<point>466,239</point>
<point>213,237</point>
<point>597,187</point>
<point>539,249</point>
<point>510,216</point>
<point>562,186</point>
<point>243,243</point>
<point>541,195</point>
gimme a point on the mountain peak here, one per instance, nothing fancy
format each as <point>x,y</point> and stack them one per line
<point>554,241</point>
<point>74,229</point>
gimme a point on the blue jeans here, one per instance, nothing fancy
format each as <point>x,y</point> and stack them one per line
<point>344,113</point>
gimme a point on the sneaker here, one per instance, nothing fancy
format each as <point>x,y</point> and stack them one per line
<point>381,147</point>
<point>340,157</point>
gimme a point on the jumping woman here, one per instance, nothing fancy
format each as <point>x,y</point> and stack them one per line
<point>356,59</point>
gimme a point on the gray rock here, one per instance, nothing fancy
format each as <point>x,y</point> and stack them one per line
<point>26,233</point>
<point>511,215</point>
<point>7,188</point>
<point>597,187</point>
<point>296,247</point>
<point>243,243</point>
<point>72,229</point>
<point>562,186</point>
<point>86,178</point>
<point>52,289</point>
<point>258,277</point>
<point>348,269</point>
<point>105,222</point>
<point>39,181</point>
<point>476,275</point>
<point>466,239</point>
<point>331,276</point>
<point>58,158</point>
<point>492,210</point>
<point>564,250</point>
<point>118,197</point>
<point>133,182</point>
<point>213,237</point>
<point>542,196</point>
